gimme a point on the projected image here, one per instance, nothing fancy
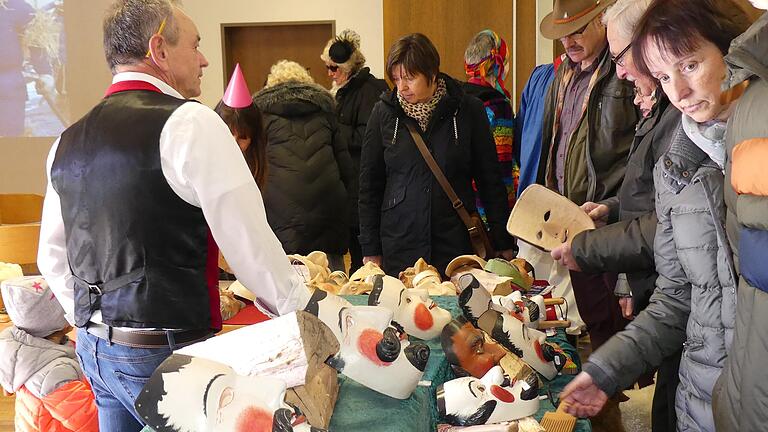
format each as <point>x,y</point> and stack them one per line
<point>33,97</point>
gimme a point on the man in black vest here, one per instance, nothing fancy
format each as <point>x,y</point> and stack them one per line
<point>138,190</point>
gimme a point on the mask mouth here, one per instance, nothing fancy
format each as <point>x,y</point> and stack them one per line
<point>418,355</point>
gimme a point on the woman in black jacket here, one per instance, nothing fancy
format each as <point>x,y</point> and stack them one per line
<point>356,91</point>
<point>404,213</point>
<point>309,165</point>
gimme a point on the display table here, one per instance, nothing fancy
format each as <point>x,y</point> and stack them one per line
<point>361,409</point>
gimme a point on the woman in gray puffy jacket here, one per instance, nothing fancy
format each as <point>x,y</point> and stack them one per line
<point>694,302</point>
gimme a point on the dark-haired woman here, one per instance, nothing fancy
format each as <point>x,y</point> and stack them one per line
<point>694,302</point>
<point>247,127</point>
<point>404,213</point>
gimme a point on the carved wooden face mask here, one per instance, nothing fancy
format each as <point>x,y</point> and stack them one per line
<point>195,394</point>
<point>546,219</point>
<point>509,330</point>
<point>468,348</point>
<point>373,354</point>
<point>471,401</point>
<point>412,309</point>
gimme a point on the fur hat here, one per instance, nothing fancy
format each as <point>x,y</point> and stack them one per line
<point>344,51</point>
<point>32,306</point>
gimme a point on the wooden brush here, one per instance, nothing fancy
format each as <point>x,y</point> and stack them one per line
<point>558,421</point>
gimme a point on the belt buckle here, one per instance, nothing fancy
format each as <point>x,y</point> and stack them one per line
<point>94,289</point>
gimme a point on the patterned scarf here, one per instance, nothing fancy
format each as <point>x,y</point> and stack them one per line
<point>422,111</point>
<point>491,68</point>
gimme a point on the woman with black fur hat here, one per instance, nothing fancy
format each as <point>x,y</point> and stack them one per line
<point>356,91</point>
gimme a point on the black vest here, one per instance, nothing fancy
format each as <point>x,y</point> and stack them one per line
<point>137,250</point>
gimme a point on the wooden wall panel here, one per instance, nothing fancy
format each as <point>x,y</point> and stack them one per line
<point>258,46</point>
<point>526,32</point>
<point>450,26</point>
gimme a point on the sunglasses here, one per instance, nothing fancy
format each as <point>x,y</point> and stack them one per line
<point>332,68</point>
<point>618,57</point>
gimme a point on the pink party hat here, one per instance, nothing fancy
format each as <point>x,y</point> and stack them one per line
<point>237,94</point>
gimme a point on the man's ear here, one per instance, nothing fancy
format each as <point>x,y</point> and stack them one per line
<point>158,50</point>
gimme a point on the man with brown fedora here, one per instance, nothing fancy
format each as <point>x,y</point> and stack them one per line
<point>589,125</point>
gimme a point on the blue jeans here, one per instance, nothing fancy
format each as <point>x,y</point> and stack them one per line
<point>117,373</point>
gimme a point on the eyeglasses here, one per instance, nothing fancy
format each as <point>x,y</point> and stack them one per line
<point>578,34</point>
<point>332,68</point>
<point>639,92</point>
<point>618,57</point>
<point>159,32</point>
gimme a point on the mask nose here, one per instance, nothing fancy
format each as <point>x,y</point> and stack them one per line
<point>418,355</point>
<point>388,348</point>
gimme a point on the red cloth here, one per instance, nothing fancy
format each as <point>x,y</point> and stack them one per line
<point>130,85</point>
<point>250,314</point>
<point>212,280</point>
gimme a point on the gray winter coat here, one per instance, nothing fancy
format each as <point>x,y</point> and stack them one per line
<point>39,364</point>
<point>626,244</point>
<point>741,394</point>
<point>694,303</point>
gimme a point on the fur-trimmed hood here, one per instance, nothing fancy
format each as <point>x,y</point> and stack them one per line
<point>294,98</point>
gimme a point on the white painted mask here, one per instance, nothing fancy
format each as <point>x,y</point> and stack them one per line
<point>192,394</point>
<point>492,399</point>
<point>508,329</point>
<point>373,354</point>
<point>412,309</point>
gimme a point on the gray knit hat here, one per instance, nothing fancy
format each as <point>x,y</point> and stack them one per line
<point>32,306</point>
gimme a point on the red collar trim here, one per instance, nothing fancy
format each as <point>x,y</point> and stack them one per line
<point>130,85</point>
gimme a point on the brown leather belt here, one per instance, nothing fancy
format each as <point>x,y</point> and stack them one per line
<point>147,338</point>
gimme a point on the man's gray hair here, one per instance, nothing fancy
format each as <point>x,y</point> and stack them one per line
<point>479,47</point>
<point>129,24</point>
<point>624,15</point>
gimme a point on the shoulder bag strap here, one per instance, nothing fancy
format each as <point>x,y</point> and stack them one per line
<point>438,173</point>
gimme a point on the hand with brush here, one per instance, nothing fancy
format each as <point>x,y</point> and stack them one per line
<point>581,397</point>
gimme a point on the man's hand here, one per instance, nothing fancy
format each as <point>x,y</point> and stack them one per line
<point>598,212</point>
<point>376,259</point>
<point>582,398</point>
<point>626,307</point>
<point>563,255</point>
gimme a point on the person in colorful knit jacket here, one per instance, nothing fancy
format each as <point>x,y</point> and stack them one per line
<point>486,62</point>
<point>38,363</point>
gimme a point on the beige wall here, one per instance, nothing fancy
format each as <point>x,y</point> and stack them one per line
<point>363,16</point>
<point>22,160</point>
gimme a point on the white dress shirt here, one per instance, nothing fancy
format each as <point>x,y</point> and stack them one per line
<point>203,165</point>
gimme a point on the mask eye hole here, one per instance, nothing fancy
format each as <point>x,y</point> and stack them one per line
<point>547,215</point>
<point>408,300</point>
<point>481,388</point>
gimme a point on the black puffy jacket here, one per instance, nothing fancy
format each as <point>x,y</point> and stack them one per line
<point>309,168</point>
<point>404,213</point>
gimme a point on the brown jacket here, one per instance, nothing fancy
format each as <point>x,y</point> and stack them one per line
<point>598,148</point>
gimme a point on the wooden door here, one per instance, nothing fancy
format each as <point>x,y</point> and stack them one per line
<point>258,46</point>
<point>450,26</point>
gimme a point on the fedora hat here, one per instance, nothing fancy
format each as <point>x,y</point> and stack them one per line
<point>570,15</point>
